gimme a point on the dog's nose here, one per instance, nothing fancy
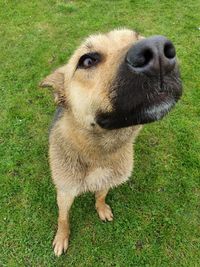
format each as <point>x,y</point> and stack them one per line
<point>152,56</point>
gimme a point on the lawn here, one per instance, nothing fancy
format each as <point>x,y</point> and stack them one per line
<point>157,213</point>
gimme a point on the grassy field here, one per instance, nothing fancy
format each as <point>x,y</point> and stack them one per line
<point>157,213</point>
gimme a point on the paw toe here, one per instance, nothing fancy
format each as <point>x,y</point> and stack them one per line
<point>60,245</point>
<point>105,213</point>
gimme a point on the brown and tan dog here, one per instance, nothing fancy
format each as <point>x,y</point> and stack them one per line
<point>112,84</point>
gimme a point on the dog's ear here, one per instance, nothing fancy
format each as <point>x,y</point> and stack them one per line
<point>56,81</point>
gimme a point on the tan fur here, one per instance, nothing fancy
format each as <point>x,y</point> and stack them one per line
<point>83,156</point>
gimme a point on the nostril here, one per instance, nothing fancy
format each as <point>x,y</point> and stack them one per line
<point>169,50</point>
<point>148,55</point>
<point>142,59</point>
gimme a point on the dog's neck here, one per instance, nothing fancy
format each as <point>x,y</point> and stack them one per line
<point>97,142</point>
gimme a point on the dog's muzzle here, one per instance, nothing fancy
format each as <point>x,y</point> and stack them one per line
<point>146,87</point>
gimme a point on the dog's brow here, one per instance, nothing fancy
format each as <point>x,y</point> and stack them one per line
<point>89,46</point>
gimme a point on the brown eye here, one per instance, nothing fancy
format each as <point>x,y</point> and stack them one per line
<point>88,60</point>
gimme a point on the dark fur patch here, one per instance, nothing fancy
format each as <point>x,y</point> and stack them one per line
<point>57,115</point>
<point>132,93</point>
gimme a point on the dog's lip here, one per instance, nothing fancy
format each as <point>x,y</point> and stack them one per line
<point>155,99</point>
<point>141,114</point>
<point>157,110</point>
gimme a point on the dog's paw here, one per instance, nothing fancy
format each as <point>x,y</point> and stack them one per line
<point>60,244</point>
<point>105,212</point>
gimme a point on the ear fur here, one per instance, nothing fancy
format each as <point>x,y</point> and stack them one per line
<point>56,81</point>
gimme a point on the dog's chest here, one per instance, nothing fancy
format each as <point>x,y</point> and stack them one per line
<point>97,179</point>
<point>109,172</point>
<point>102,178</point>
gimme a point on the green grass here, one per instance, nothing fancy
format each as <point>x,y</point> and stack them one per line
<point>157,213</point>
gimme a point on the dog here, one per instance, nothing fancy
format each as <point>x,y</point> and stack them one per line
<point>112,85</point>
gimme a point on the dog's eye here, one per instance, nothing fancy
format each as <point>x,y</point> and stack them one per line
<point>88,60</point>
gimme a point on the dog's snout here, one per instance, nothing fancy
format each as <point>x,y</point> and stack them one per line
<point>152,56</point>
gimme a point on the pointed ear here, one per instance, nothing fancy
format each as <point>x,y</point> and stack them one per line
<point>56,81</point>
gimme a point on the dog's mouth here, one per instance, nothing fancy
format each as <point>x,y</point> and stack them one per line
<point>150,101</point>
<point>142,114</point>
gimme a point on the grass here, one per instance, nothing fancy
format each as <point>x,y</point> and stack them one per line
<point>157,212</point>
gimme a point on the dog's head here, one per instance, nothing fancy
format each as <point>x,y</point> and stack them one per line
<point>118,79</point>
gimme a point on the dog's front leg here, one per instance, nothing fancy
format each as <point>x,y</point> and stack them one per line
<point>103,209</point>
<point>64,201</point>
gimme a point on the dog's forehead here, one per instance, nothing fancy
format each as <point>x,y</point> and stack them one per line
<point>110,41</point>
<point>107,44</point>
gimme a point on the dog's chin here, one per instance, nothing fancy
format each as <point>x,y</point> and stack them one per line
<point>141,114</point>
